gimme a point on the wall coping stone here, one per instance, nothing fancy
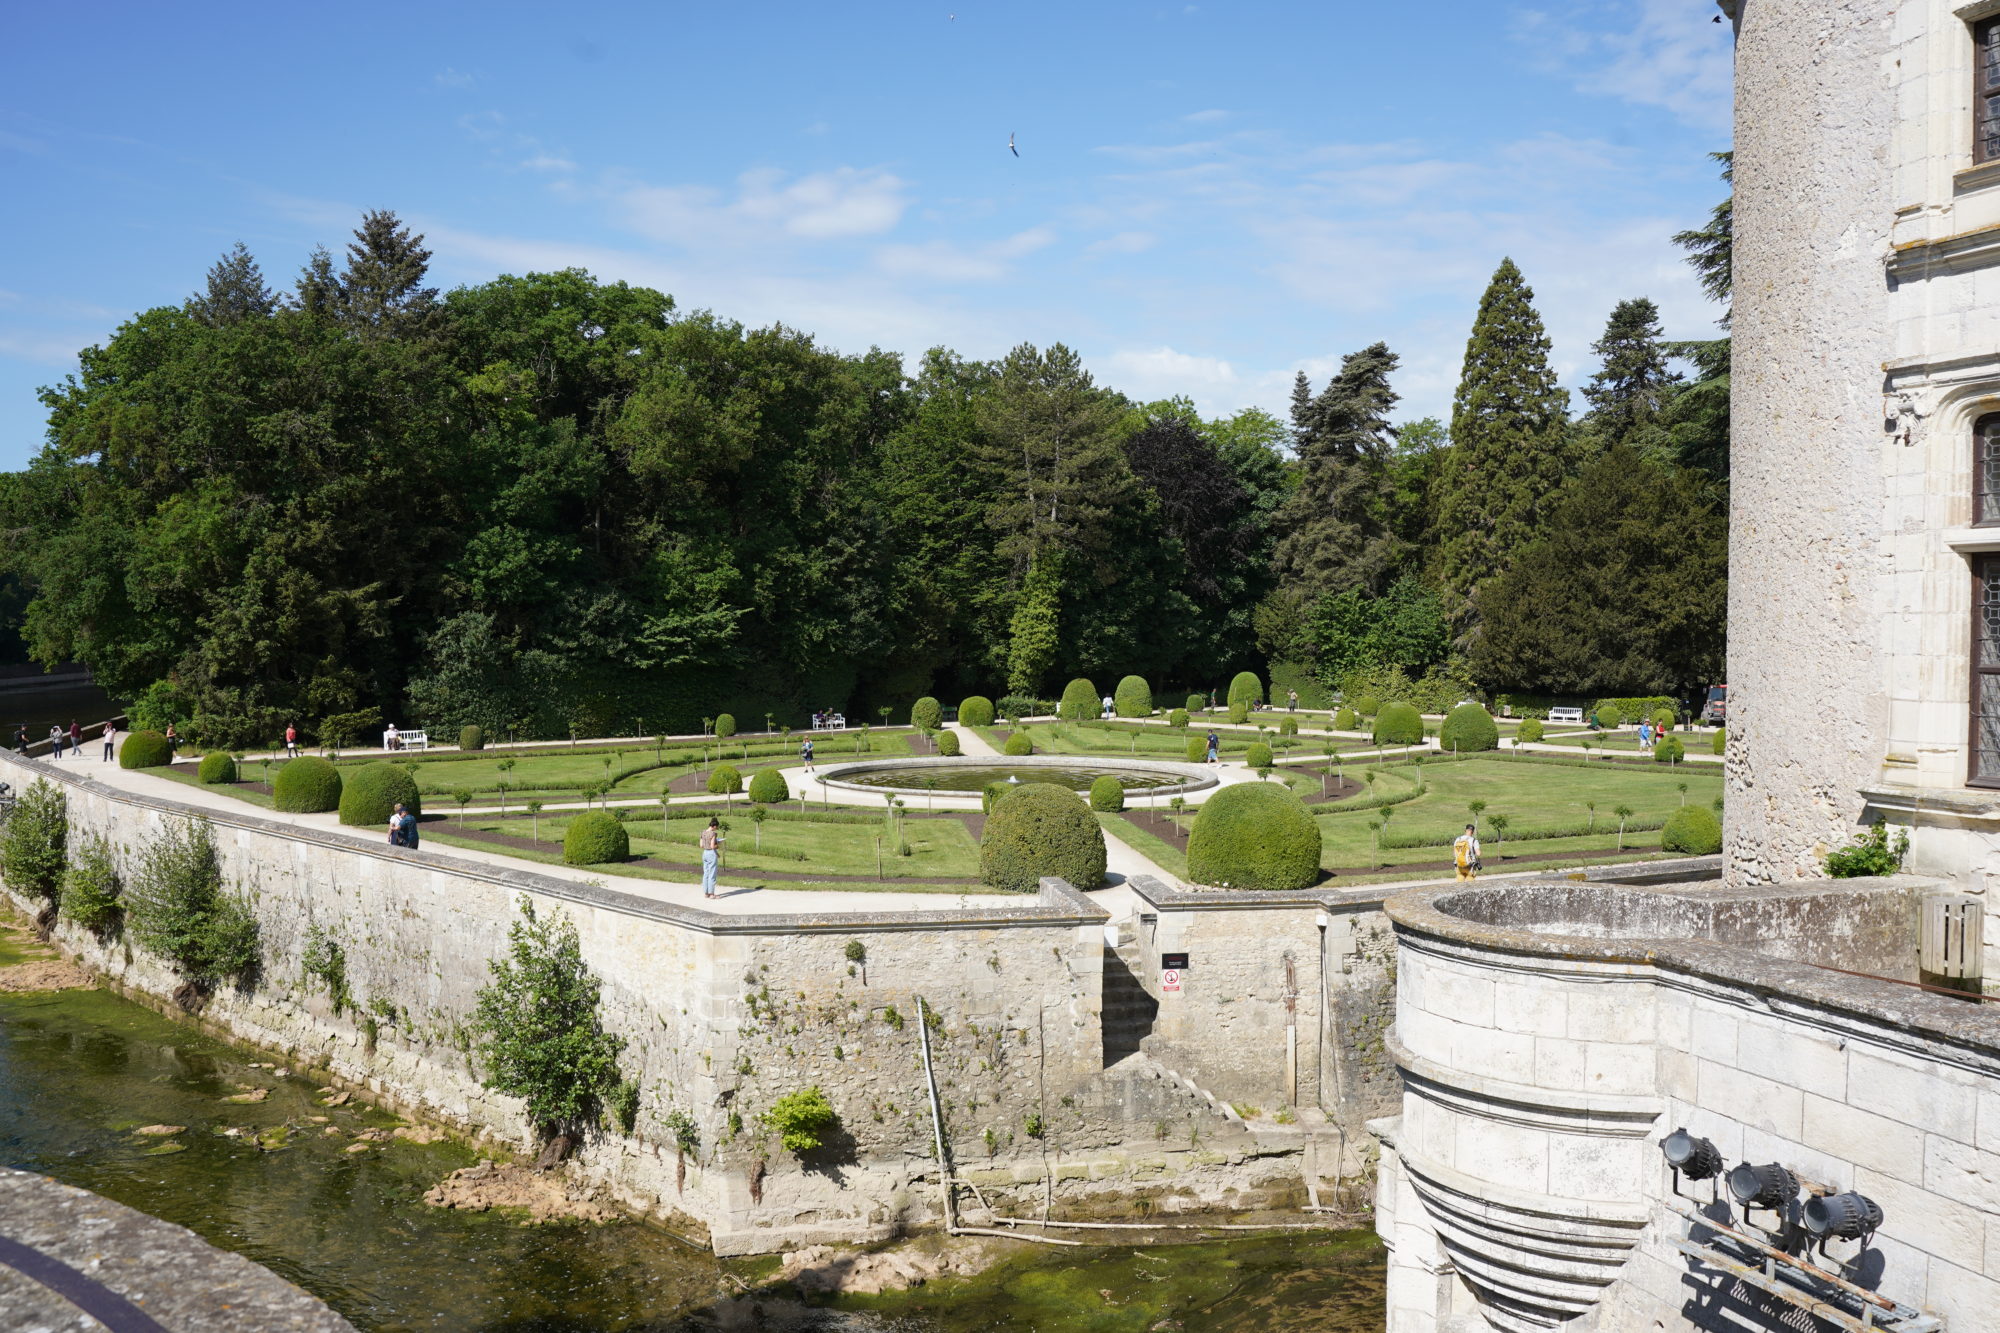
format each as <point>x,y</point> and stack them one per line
<point>1369,897</point>
<point>1535,1103</point>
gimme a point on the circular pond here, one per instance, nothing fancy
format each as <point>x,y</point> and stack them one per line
<point>969,775</point>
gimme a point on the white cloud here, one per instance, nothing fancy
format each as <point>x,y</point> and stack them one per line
<point>451,78</point>
<point>1162,372</point>
<point>1208,117</point>
<point>845,202</point>
<point>548,162</point>
<point>946,261</point>
<point>1664,53</point>
<point>1124,243</point>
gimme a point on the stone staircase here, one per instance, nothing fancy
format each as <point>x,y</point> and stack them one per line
<point>1128,1010</point>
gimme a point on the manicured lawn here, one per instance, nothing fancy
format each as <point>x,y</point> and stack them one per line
<point>1627,742</point>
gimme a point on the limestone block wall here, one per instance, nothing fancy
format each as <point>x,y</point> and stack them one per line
<point>1522,1185</point>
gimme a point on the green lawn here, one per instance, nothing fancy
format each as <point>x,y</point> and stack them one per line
<point>1627,742</point>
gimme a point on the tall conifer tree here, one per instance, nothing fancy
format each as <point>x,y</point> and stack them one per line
<point>1333,534</point>
<point>1635,382</point>
<point>1509,431</point>
<point>235,291</point>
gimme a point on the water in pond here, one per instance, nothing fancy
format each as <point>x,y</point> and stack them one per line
<point>80,1070</point>
<point>975,777</point>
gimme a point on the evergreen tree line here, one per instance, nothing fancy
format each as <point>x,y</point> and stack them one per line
<point>554,505</point>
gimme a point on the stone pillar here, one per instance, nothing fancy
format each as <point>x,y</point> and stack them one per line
<point>1808,711</point>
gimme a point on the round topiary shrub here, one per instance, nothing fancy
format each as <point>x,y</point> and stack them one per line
<point>1399,724</point>
<point>1197,703</point>
<point>1019,744</point>
<point>471,738</point>
<point>1041,829</point>
<point>976,711</point>
<point>1663,719</point>
<point>371,792</point>
<point>145,749</point>
<point>216,768</point>
<point>1239,711</point>
<point>1178,718</point>
<point>947,743</point>
<point>307,785</point>
<point>1367,705</point>
<point>1289,727</point>
<point>1721,742</point>
<point>1345,720</point>
<point>1609,717</point>
<point>1257,756</point>
<point>767,787</point>
<point>1669,750</point>
<point>1079,701</point>
<point>1692,829</point>
<point>1107,794</point>
<point>1197,749</point>
<point>1469,728</point>
<point>1530,732</point>
<point>725,726</point>
<point>1133,697</point>
<point>725,780</point>
<point>595,837</point>
<point>1255,835</point>
<point>1246,689</point>
<point>926,714</point>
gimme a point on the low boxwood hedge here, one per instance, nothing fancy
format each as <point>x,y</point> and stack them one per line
<point>594,838</point>
<point>307,785</point>
<point>371,793</point>
<point>1254,835</point>
<point>1041,829</point>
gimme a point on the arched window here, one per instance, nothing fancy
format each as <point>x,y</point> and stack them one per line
<point>1986,90</point>
<point>1986,470</point>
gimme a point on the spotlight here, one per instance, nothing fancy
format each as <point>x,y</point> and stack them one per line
<point>1768,1186</point>
<point>1694,1158</point>
<point>1848,1216</point>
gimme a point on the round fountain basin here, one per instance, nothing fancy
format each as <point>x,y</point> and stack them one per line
<point>968,775</point>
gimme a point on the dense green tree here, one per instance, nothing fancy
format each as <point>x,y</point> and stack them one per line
<point>1635,381</point>
<point>235,291</point>
<point>1415,461</point>
<point>1034,633</point>
<point>1711,247</point>
<point>1333,530</point>
<point>1404,627</point>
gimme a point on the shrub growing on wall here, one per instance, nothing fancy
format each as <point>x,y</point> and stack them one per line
<point>1178,718</point>
<point>594,838</point>
<point>181,910</point>
<point>725,780</point>
<point>471,738</point>
<point>1133,697</point>
<point>1107,793</point>
<point>947,743</point>
<point>1019,744</point>
<point>976,711</point>
<point>1529,732</point>
<point>1399,724</point>
<point>1246,689</point>
<point>1079,701</point>
<point>307,785</point>
<point>1692,829</point>
<point>1255,835</point>
<point>1469,728</point>
<point>539,1031</point>
<point>767,786</point>
<point>145,749</point>
<point>926,714</point>
<point>1041,829</point>
<point>371,792</point>
<point>90,888</point>
<point>36,840</point>
<point>803,1120</point>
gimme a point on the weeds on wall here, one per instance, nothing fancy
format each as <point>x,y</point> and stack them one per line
<point>1870,854</point>
<point>36,839</point>
<point>324,960</point>
<point>181,910</point>
<point>90,889</point>
<point>803,1120</point>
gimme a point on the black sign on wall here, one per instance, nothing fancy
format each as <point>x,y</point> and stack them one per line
<point>1175,961</point>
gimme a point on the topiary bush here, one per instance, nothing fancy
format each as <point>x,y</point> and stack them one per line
<point>976,711</point>
<point>595,837</point>
<point>1107,794</point>
<point>1245,689</point>
<point>947,743</point>
<point>926,714</point>
<point>1692,829</point>
<point>145,749</point>
<point>1178,718</point>
<point>767,786</point>
<point>471,738</point>
<point>1255,835</point>
<point>1663,719</point>
<point>1239,711</point>
<point>1133,697</point>
<point>1079,701</point>
<point>1367,705</point>
<point>1197,749</point>
<point>307,785</point>
<point>1258,755</point>
<point>1197,703</point>
<point>725,780</point>
<point>1399,724</point>
<point>372,792</point>
<point>1530,732</point>
<point>1468,729</point>
<point>1669,750</point>
<point>1721,742</point>
<point>1019,744</point>
<point>1289,727</point>
<point>1041,829</point>
<point>725,726</point>
<point>1609,718</point>
<point>216,768</point>
<point>1345,720</point>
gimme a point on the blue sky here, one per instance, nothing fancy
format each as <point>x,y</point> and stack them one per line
<point>1208,197</point>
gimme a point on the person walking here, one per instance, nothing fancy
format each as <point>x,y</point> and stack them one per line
<point>291,740</point>
<point>75,739</point>
<point>1109,705</point>
<point>21,739</point>
<point>1465,853</point>
<point>173,742</point>
<point>1292,700</point>
<point>110,741</point>
<point>806,752</point>
<point>711,855</point>
<point>1214,748</point>
<point>55,742</point>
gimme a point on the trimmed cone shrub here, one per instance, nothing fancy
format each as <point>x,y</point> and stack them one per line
<point>1469,728</point>
<point>471,738</point>
<point>1258,755</point>
<point>767,787</point>
<point>1692,829</point>
<point>216,768</point>
<point>1041,829</point>
<point>1196,702</point>
<point>926,714</point>
<point>1107,794</point>
<point>1197,749</point>
<point>1133,697</point>
<point>1530,732</point>
<point>1080,701</point>
<point>1246,689</point>
<point>725,780</point>
<point>1019,744</point>
<point>725,726</point>
<point>947,743</point>
<point>595,837</point>
<point>976,711</point>
<point>1399,724</point>
<point>1368,705</point>
<point>1255,835</point>
<point>1346,720</point>
<point>307,785</point>
<point>1669,750</point>
<point>1178,718</point>
<point>144,749</point>
<point>371,792</point>
<point>1239,711</point>
<point>1721,739</point>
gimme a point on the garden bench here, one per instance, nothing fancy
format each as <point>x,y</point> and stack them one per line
<point>409,740</point>
<point>1566,715</point>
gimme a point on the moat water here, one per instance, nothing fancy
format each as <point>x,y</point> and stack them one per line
<point>81,1070</point>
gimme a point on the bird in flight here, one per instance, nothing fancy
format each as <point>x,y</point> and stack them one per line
<point>1010,144</point>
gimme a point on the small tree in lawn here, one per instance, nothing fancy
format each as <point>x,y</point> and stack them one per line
<point>1388,812</point>
<point>1624,812</point>
<point>501,788</point>
<point>1592,807</point>
<point>463,795</point>
<point>1498,823</point>
<point>767,723</point>
<point>883,712</point>
<point>758,814</point>
<point>1475,809</point>
<point>1682,788</point>
<point>1264,772</point>
<point>535,820</point>
<point>1587,743</point>
<point>1178,804</point>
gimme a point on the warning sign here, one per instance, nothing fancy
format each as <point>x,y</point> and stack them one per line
<point>1170,981</point>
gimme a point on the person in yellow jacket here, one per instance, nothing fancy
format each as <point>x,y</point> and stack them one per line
<point>1465,853</point>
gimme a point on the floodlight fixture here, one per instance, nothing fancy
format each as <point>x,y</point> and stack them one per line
<point>1767,1186</point>
<point>1689,1156</point>
<point>1848,1216</point>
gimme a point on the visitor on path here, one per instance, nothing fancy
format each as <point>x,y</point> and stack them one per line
<point>1109,704</point>
<point>806,752</point>
<point>75,739</point>
<point>1465,853</point>
<point>392,739</point>
<point>402,827</point>
<point>1292,700</point>
<point>1214,748</point>
<point>173,741</point>
<point>55,742</point>
<point>21,739</point>
<point>711,853</point>
<point>291,740</point>
<point>110,740</point>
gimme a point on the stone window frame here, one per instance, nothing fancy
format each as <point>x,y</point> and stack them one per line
<point>1982,26</point>
<point>1985,568</point>
<point>1985,452</point>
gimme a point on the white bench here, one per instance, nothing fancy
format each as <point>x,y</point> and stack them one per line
<point>409,740</point>
<point>1566,715</point>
